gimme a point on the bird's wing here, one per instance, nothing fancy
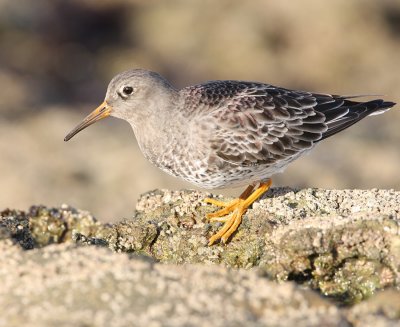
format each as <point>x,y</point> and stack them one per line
<point>254,123</point>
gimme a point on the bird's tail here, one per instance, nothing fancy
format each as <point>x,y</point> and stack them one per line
<point>342,113</point>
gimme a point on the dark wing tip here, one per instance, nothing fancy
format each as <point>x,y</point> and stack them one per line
<point>387,104</point>
<point>349,112</point>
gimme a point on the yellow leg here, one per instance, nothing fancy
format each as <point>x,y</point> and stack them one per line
<point>228,206</point>
<point>238,207</point>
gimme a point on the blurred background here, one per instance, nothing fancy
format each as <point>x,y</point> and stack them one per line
<point>58,56</point>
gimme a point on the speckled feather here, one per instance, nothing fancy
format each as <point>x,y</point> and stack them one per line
<point>226,133</point>
<point>257,129</point>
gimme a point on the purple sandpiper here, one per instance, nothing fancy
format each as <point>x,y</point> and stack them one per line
<point>226,133</point>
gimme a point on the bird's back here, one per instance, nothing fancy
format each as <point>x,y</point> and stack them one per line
<point>255,129</point>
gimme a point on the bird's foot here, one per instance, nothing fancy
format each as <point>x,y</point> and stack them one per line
<point>227,208</point>
<point>237,207</point>
<point>231,222</point>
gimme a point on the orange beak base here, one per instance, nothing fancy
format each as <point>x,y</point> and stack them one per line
<point>99,113</point>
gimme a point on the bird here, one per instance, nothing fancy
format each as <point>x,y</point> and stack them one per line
<point>226,133</point>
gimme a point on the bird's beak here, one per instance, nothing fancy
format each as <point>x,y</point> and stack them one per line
<point>100,112</point>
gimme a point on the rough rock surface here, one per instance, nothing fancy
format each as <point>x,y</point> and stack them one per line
<point>329,250</point>
<point>92,286</point>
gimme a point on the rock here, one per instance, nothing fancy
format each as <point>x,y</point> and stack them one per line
<point>383,309</point>
<point>41,226</point>
<point>319,244</point>
<point>69,285</point>
<point>345,244</point>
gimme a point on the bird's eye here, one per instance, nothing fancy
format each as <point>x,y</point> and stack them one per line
<point>127,90</point>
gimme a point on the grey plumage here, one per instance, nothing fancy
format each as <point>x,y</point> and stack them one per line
<point>256,123</point>
<point>228,133</point>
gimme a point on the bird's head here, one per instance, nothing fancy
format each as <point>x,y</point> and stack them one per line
<point>131,96</point>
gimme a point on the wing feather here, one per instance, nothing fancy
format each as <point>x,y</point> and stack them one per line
<point>261,124</point>
<point>254,123</point>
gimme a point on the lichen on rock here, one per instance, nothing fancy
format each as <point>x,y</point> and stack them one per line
<point>41,226</point>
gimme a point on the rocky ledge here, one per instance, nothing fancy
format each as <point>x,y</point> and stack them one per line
<point>300,258</point>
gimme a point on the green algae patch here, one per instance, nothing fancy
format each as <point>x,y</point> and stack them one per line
<point>348,262</point>
<point>41,226</point>
<point>58,225</point>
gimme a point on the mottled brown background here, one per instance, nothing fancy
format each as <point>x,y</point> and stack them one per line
<point>57,56</point>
